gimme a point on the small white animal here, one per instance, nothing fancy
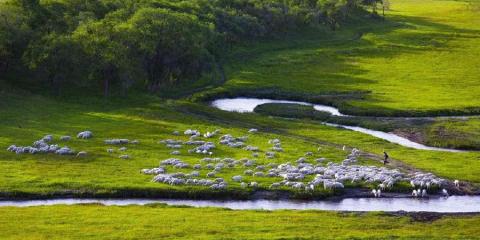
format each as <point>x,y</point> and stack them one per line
<point>414,193</point>
<point>424,192</point>
<point>445,192</point>
<point>82,154</point>
<point>457,183</point>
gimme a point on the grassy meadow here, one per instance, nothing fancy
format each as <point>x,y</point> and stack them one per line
<point>422,59</point>
<point>160,222</point>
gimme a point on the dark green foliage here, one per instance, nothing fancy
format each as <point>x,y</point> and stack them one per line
<point>149,44</point>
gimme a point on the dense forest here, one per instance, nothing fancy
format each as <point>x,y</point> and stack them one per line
<point>120,44</point>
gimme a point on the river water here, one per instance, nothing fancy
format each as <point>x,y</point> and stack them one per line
<point>453,204</point>
<point>244,105</point>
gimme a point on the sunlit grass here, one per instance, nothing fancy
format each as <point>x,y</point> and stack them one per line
<point>160,222</point>
<point>423,58</point>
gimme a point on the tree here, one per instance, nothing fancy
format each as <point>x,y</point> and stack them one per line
<point>171,45</point>
<point>14,33</point>
<point>57,57</point>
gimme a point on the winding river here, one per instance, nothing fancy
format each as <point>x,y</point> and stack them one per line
<point>244,105</point>
<point>453,204</point>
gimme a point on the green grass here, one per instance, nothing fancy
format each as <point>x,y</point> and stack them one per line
<point>422,60</point>
<point>454,133</point>
<point>161,222</point>
<point>26,117</point>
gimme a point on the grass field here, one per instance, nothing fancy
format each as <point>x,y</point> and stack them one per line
<point>422,59</point>
<point>27,118</point>
<point>160,222</point>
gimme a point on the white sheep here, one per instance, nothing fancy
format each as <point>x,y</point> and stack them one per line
<point>237,178</point>
<point>457,183</point>
<point>424,193</point>
<point>445,192</point>
<point>85,135</point>
<point>81,154</point>
<point>65,138</point>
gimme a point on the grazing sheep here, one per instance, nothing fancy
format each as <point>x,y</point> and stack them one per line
<point>445,192</point>
<point>308,154</point>
<point>65,138</point>
<point>85,135</point>
<point>275,185</point>
<point>197,166</point>
<point>181,165</point>
<point>153,171</point>
<point>110,150</point>
<point>424,193</point>
<point>191,132</point>
<point>210,134</point>
<point>81,154</point>
<point>259,174</point>
<point>249,163</point>
<point>260,168</point>
<point>253,184</point>
<point>301,160</point>
<point>248,172</point>
<point>209,166</point>
<point>123,149</point>
<point>211,174</point>
<point>64,151</point>
<point>116,141</point>
<point>251,148</point>
<point>135,142</point>
<point>253,130</point>
<point>47,138</point>
<point>270,154</point>
<point>176,133</point>
<point>237,178</point>
<point>175,153</point>
<point>124,156</point>
<point>414,193</point>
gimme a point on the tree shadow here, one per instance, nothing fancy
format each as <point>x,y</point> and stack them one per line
<point>312,60</point>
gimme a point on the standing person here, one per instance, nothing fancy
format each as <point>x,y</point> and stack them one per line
<point>385,158</point>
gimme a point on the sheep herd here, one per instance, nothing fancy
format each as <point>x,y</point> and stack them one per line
<point>304,174</point>
<point>43,146</point>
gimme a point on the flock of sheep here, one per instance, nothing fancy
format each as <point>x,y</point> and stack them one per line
<point>305,174</point>
<point>43,146</point>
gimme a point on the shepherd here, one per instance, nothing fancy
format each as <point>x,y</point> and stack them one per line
<point>385,158</point>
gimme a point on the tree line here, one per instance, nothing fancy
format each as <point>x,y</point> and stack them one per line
<point>148,44</point>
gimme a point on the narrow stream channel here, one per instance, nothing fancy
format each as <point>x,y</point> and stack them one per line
<point>244,105</point>
<point>453,204</point>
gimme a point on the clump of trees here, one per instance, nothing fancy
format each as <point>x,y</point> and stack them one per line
<point>105,44</point>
